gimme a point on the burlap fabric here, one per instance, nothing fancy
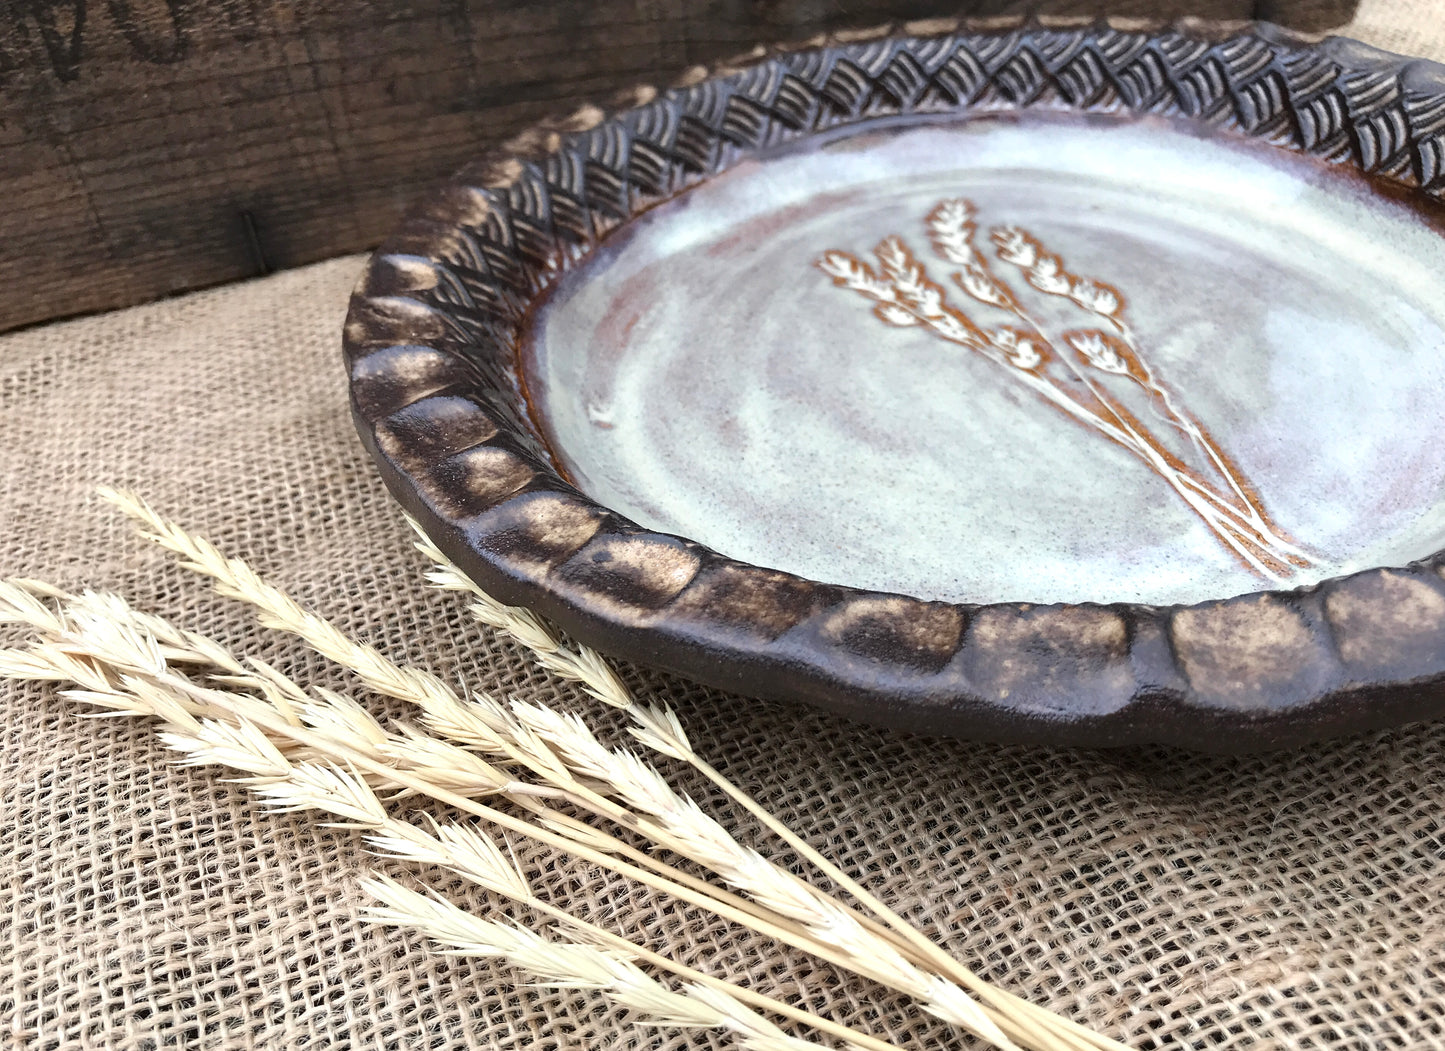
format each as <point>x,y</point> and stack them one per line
<point>1279,901</point>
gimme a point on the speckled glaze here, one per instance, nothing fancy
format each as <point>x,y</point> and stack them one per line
<point>433,336</point>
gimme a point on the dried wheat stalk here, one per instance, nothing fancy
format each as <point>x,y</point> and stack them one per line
<point>122,675</point>
<point>304,768</point>
<point>928,973</point>
<point>658,728</point>
<point>815,923</point>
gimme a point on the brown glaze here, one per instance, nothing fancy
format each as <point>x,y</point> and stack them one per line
<point>434,322</point>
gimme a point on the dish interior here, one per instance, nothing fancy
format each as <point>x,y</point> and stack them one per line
<point>1100,360</point>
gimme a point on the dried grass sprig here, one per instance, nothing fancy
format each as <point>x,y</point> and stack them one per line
<point>321,786</point>
<point>477,721</point>
<point>339,788</point>
<point>680,824</point>
<point>575,965</point>
<point>658,727</point>
<point>581,665</point>
<point>688,831</point>
<point>483,724</point>
<point>470,853</point>
<point>128,646</point>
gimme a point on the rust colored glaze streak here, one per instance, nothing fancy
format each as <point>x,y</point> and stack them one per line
<point>1088,373</point>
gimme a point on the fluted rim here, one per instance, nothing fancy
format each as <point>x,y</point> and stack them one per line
<point>430,340</point>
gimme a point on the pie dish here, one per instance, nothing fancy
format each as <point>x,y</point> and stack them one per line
<point>1070,384</point>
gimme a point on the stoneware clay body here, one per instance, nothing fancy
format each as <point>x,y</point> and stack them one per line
<point>1070,385</point>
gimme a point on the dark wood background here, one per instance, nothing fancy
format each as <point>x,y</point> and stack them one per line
<point>153,146</point>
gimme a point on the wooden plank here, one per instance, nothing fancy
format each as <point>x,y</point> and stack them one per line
<point>153,146</point>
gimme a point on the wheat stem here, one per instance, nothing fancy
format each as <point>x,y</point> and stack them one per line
<point>574,965</point>
<point>1037,1019</point>
<point>338,718</point>
<point>742,993</point>
<point>285,784</point>
<point>478,721</point>
<point>244,745</point>
<point>660,729</point>
<point>236,579</point>
<point>354,756</point>
<point>783,930</point>
<point>582,832</point>
<point>490,869</point>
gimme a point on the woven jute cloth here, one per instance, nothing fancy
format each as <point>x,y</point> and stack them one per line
<point>1290,900</point>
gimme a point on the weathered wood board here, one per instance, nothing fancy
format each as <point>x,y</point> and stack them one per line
<point>152,146</point>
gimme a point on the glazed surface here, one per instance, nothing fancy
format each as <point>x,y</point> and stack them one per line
<point>702,375</point>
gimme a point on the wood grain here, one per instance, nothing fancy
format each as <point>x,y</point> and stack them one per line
<point>153,146</point>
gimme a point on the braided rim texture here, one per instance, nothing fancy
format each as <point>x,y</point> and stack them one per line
<point>430,346</point>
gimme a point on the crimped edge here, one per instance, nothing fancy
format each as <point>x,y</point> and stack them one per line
<point>1261,670</point>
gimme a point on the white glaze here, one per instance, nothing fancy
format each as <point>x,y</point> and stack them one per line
<point>703,377</point>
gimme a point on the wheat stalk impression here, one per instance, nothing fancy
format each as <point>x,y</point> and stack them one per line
<point>524,758</point>
<point>1087,373</point>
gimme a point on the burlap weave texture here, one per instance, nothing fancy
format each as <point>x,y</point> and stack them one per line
<point>1281,901</point>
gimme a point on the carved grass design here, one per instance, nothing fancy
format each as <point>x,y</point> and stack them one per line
<point>1086,372</point>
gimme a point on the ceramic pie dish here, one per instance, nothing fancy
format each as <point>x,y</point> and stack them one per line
<point>1062,384</point>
